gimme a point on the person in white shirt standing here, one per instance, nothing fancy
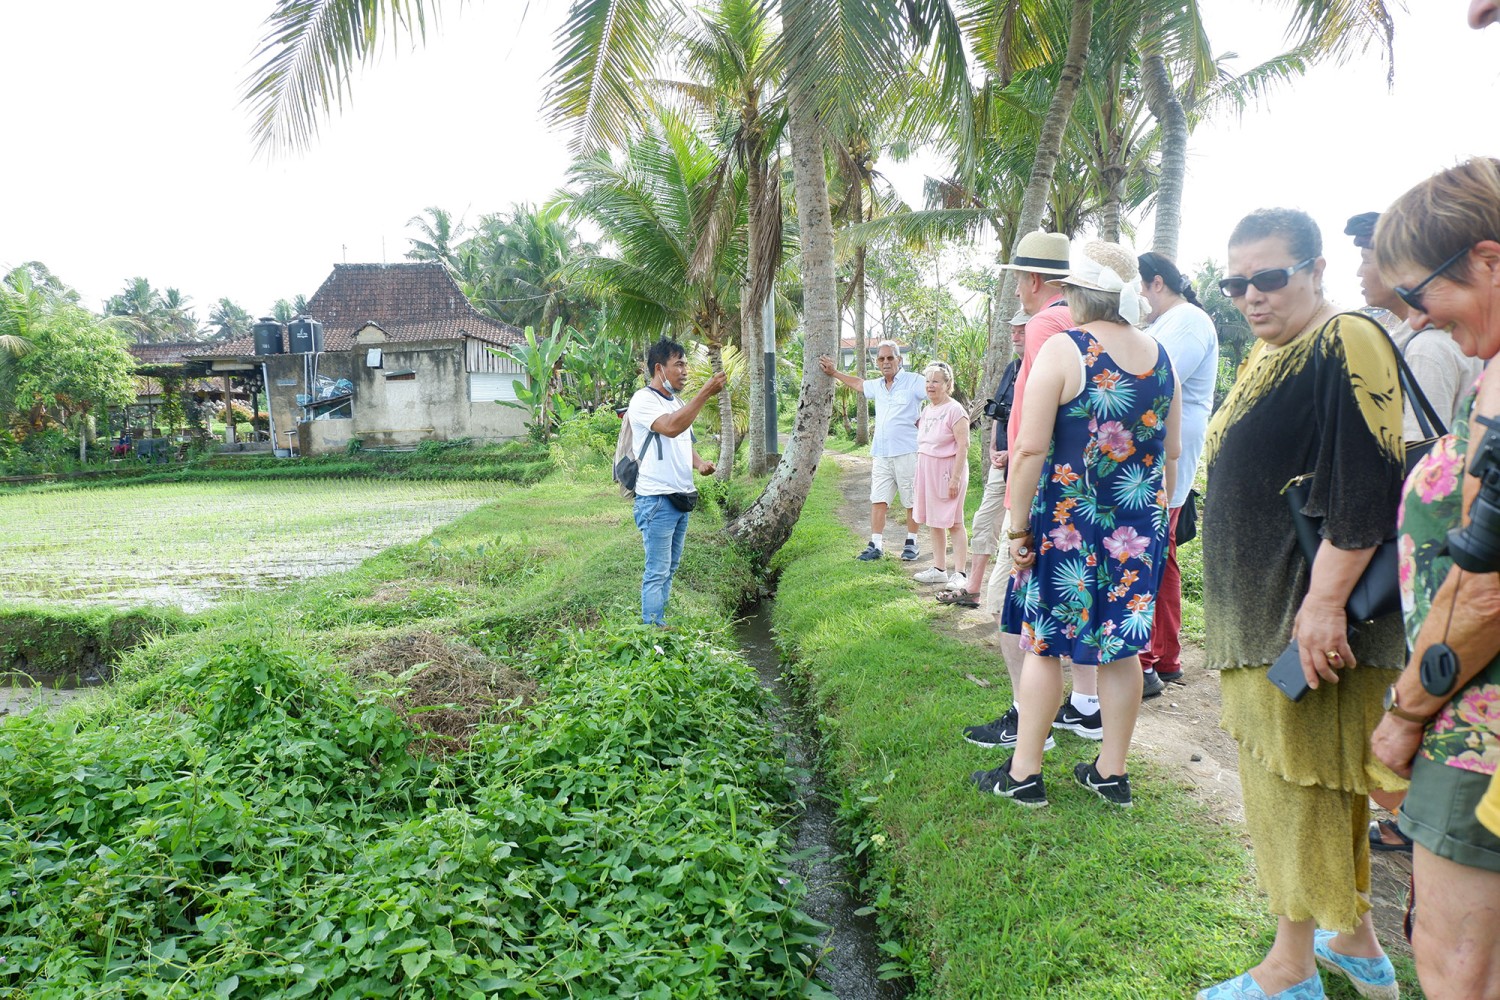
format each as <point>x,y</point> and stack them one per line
<point>664,491</point>
<point>1187,332</point>
<point>898,396</point>
<point>1444,373</point>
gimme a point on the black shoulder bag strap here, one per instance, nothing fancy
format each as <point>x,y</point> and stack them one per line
<point>1432,425</point>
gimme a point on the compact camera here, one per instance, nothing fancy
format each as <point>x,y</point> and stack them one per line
<point>1475,547</point>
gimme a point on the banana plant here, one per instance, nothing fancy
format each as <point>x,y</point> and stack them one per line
<point>540,359</point>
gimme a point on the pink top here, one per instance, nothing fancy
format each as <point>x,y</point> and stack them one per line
<point>935,437</point>
<point>1039,329</point>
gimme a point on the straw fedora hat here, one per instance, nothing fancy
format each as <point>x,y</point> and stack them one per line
<point>1040,252</point>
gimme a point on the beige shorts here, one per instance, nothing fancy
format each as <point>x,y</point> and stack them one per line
<point>984,530</point>
<point>994,587</point>
<point>892,475</point>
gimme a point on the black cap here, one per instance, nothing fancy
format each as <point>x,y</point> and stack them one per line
<point>1362,228</point>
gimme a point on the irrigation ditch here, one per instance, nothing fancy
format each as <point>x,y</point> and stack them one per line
<point>851,952</point>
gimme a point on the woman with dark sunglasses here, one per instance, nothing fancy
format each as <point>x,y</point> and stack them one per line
<point>1317,394</point>
<point>1439,247</point>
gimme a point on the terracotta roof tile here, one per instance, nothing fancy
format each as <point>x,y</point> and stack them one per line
<point>407,301</point>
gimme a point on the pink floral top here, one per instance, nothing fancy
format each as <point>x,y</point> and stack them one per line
<point>1466,733</point>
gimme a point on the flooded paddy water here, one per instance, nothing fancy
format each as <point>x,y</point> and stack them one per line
<point>193,545</point>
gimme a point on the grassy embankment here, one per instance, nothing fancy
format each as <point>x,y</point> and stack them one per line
<point>1078,900</point>
<point>240,818</point>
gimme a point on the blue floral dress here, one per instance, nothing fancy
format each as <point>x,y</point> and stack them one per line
<point>1099,519</point>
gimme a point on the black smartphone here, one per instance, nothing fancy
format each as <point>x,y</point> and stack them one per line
<point>1286,674</point>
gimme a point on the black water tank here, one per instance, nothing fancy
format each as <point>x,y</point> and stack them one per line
<point>268,338</point>
<point>304,335</point>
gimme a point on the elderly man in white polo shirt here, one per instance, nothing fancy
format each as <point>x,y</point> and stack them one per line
<point>898,396</point>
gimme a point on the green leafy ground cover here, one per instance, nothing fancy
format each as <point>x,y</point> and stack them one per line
<point>1077,900</point>
<point>239,819</point>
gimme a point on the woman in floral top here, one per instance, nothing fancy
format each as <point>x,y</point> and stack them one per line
<point>1094,465</point>
<point>1439,246</point>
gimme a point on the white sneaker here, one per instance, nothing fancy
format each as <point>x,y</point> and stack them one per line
<point>958,581</point>
<point>932,575</point>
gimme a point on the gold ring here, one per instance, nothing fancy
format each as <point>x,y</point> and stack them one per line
<point>1333,654</point>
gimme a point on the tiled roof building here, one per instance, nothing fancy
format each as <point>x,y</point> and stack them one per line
<point>409,302</point>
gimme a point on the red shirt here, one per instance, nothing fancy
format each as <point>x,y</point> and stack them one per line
<point>1054,319</point>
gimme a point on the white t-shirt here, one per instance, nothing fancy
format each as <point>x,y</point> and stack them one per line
<point>1188,334</point>
<point>673,471</point>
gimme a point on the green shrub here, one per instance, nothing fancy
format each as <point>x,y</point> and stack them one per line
<point>248,824</point>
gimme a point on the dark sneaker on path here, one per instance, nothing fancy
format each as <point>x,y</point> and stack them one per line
<point>1029,792</point>
<point>1000,733</point>
<point>1115,790</point>
<point>1174,677</point>
<point>909,552</point>
<point>1152,685</point>
<point>1090,727</point>
<point>870,554</point>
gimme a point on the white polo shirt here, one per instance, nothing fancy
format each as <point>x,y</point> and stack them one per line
<point>673,471</point>
<point>897,408</point>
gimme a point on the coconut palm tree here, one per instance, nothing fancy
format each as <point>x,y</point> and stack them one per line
<point>227,320</point>
<point>514,266</point>
<point>437,238</point>
<point>676,227</point>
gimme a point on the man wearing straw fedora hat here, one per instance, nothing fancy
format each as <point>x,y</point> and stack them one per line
<point>1039,257</point>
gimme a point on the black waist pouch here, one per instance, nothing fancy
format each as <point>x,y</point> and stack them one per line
<point>684,501</point>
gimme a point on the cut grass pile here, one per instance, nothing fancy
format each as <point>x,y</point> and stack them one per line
<point>1078,900</point>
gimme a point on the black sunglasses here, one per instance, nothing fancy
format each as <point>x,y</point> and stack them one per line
<point>1270,280</point>
<point>1413,296</point>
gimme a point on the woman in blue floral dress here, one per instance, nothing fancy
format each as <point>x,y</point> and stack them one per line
<point>1094,466</point>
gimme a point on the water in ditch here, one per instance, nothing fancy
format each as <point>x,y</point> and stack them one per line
<point>851,956</point>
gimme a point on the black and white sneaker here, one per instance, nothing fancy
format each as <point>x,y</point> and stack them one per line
<point>1114,790</point>
<point>909,551</point>
<point>1000,733</point>
<point>870,554</point>
<point>1029,792</point>
<point>1090,727</point>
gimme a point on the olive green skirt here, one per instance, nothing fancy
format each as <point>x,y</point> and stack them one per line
<point>1306,772</point>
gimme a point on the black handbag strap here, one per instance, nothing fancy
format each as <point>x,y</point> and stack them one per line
<point>1432,425</point>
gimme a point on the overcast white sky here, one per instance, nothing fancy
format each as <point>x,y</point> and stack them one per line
<point>129,152</point>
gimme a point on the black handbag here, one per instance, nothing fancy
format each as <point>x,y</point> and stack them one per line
<point>1377,593</point>
<point>1187,521</point>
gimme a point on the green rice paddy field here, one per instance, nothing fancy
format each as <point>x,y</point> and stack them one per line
<point>193,545</point>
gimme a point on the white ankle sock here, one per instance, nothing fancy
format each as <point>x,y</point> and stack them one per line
<point>1088,704</point>
<point>877,540</point>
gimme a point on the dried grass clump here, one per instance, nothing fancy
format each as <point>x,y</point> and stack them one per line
<point>454,690</point>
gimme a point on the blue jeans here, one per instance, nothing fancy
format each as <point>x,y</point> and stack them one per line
<point>663,528</point>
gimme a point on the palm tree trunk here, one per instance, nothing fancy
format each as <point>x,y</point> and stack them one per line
<point>768,523</point>
<point>725,465</point>
<point>1048,149</point>
<point>862,408</point>
<point>1114,197</point>
<point>750,322</point>
<point>1161,98</point>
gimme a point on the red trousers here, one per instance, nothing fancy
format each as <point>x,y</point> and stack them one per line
<point>1164,655</point>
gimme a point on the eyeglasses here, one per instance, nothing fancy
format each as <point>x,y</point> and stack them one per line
<point>1270,280</point>
<point>1413,296</point>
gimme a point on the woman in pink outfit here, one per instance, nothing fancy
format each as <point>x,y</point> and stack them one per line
<point>942,475</point>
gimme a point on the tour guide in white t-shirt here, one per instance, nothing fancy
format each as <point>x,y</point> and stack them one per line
<point>666,468</point>
<point>898,399</point>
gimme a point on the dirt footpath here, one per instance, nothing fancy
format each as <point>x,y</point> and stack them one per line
<point>1178,731</point>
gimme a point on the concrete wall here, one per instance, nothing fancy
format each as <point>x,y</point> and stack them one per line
<point>433,405</point>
